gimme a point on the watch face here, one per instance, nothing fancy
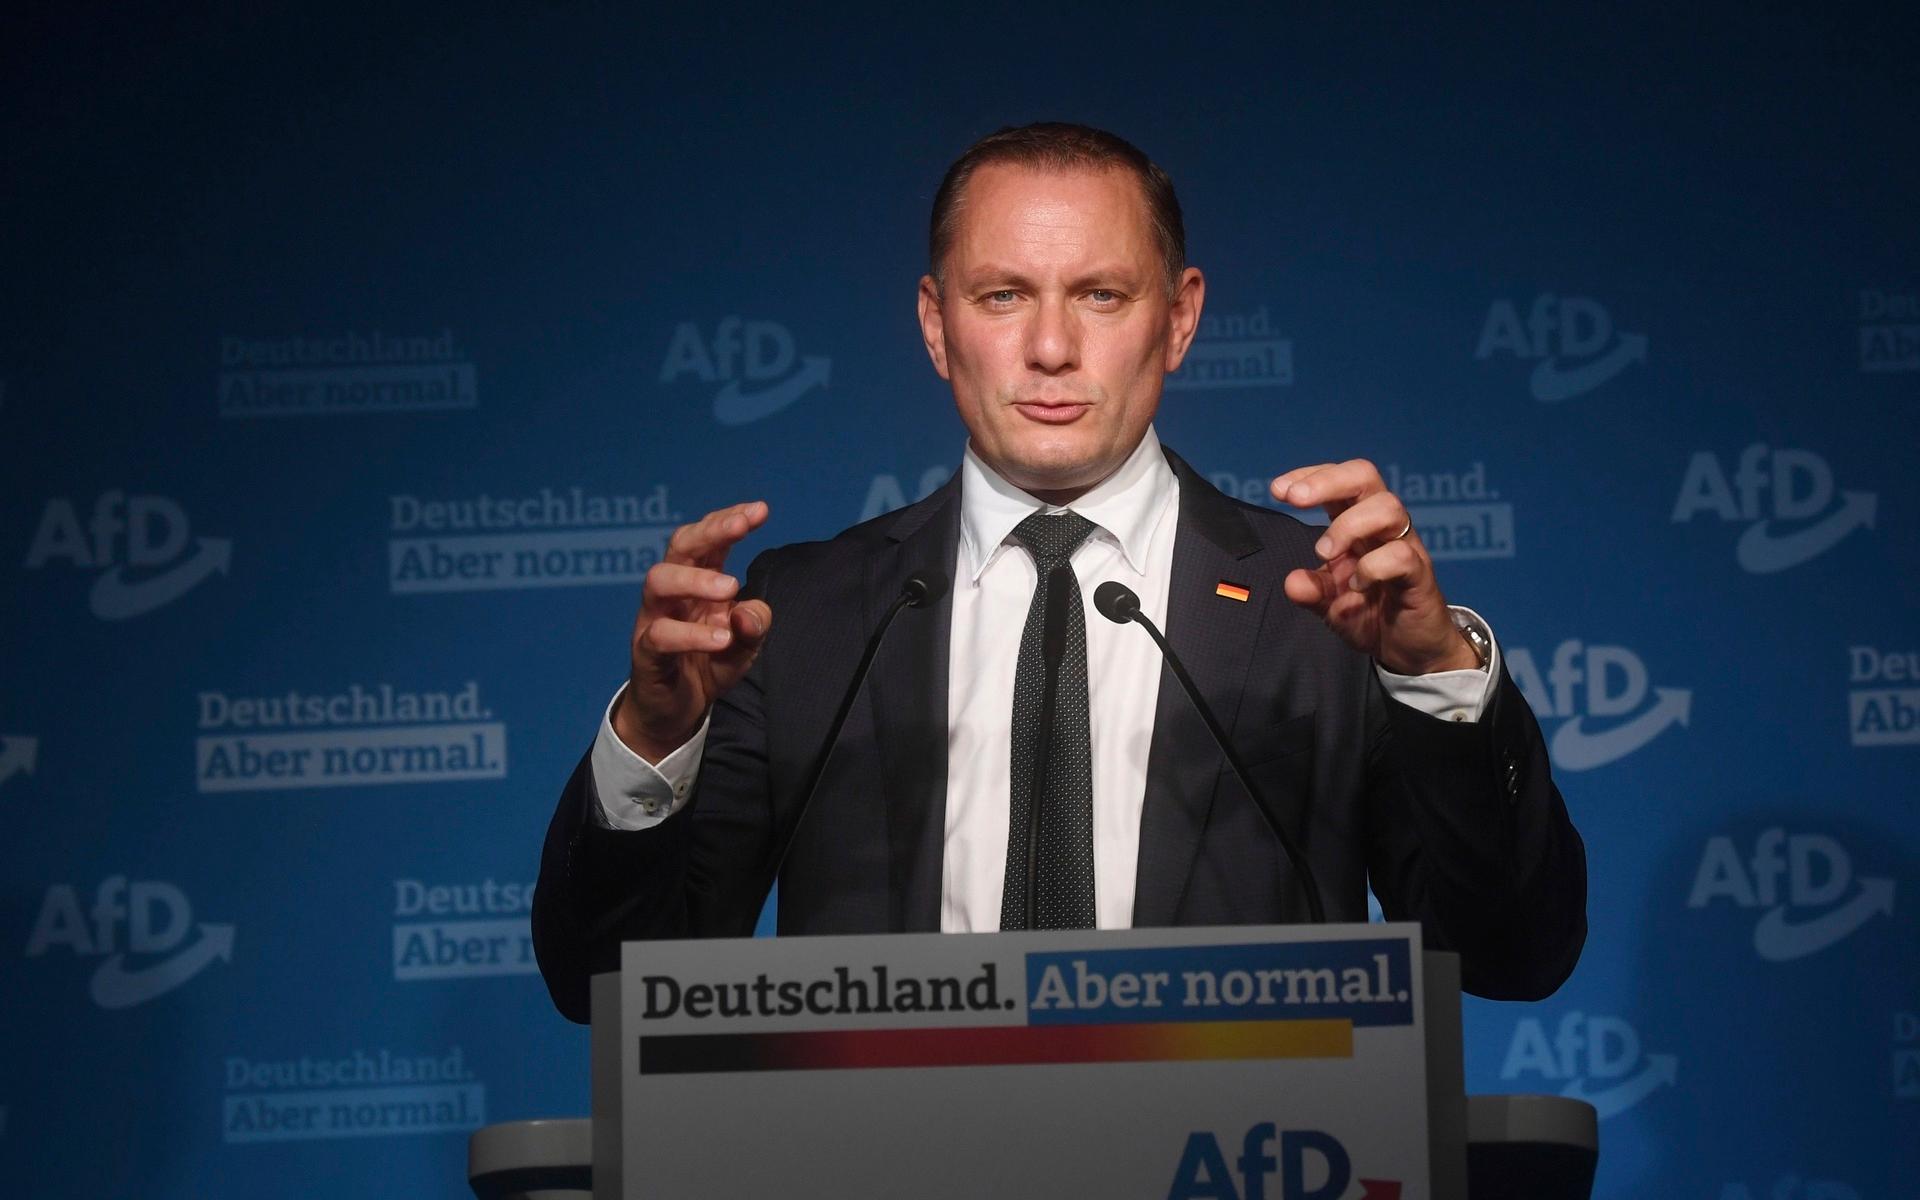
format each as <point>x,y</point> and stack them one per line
<point>1481,649</point>
<point>1476,636</point>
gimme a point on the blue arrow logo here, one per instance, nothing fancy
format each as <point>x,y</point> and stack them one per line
<point>1779,940</point>
<point>1662,1070</point>
<point>1551,385</point>
<point>114,986</point>
<point>731,406</point>
<point>114,599</point>
<point>1759,552</point>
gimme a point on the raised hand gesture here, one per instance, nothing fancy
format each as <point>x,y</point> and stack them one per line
<point>691,640</point>
<point>1375,586</point>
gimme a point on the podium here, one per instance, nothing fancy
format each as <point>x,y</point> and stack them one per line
<point>1288,1063</point>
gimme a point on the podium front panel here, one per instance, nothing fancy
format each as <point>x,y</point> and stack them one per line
<point>1285,1062</point>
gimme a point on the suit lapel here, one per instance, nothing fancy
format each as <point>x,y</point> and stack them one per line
<point>909,693</point>
<point>1214,637</point>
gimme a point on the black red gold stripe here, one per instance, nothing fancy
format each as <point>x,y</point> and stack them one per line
<point>993,1045</point>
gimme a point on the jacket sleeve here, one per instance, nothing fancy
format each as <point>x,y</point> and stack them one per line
<point>703,872</point>
<point>1470,837</point>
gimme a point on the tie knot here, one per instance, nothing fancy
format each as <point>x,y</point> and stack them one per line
<point>1052,539</point>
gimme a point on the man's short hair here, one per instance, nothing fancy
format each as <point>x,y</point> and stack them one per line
<point>1057,146</point>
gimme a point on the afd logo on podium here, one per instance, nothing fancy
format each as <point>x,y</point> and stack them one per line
<point>1593,1058</point>
<point>142,546</point>
<point>1802,885</point>
<point>1799,519</point>
<point>756,364</point>
<point>162,950</point>
<point>1304,1164</point>
<point>1602,693</point>
<point>1570,340</point>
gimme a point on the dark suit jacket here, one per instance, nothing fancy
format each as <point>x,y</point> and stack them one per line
<point>1457,825</point>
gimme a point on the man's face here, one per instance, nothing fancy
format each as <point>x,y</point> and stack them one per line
<point>1055,326</point>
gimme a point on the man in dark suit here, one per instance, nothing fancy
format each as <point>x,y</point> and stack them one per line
<point>1377,717</point>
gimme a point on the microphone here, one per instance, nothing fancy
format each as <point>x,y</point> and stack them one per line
<point>1053,647</point>
<point>1118,604</point>
<point>922,589</point>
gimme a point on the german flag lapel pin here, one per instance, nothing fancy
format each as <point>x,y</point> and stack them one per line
<point>1232,591</point>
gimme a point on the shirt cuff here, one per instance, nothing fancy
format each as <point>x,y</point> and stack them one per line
<point>1449,695</point>
<point>634,793</point>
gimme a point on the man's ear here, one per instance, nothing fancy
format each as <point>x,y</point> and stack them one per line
<point>1188,299</point>
<point>933,325</point>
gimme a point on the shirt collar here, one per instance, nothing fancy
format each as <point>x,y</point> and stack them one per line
<point>1125,506</point>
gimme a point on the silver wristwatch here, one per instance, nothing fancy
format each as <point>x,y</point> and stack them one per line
<point>1476,635</point>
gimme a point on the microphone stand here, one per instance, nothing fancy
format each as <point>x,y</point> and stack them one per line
<point>1118,604</point>
<point>922,588</point>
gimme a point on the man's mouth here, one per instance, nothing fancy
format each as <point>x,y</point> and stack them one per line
<point>1053,414</point>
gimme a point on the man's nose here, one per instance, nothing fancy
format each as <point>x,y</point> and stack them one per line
<point>1053,338</point>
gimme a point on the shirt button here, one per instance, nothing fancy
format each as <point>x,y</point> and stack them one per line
<point>1459,715</point>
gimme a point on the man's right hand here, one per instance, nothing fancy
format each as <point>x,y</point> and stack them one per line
<point>691,641</point>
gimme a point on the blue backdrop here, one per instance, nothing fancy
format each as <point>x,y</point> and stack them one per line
<point>355,362</point>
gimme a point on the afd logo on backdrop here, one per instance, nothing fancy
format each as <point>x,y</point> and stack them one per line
<point>342,376</point>
<point>142,547</point>
<point>362,1093</point>
<point>1799,519</point>
<point>18,754</point>
<point>1801,884</point>
<point>1602,692</point>
<point>1889,331</point>
<point>366,735</point>
<point>1878,715</point>
<point>1593,1058</point>
<point>1235,350</point>
<point>756,363</point>
<point>555,537</point>
<point>461,930</point>
<point>1570,340</point>
<point>1791,1187</point>
<point>1458,514</point>
<point>1303,1164</point>
<point>162,948</point>
<point>1906,1055</point>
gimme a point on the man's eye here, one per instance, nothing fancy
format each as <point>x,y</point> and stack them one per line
<point>1004,296</point>
<point>1104,296</point>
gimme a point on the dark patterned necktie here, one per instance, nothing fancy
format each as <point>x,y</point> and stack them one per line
<point>1064,878</point>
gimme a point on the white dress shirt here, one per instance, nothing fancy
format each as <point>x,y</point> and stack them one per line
<point>1135,512</point>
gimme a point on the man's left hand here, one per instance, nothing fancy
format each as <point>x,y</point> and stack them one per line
<point>1375,586</point>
